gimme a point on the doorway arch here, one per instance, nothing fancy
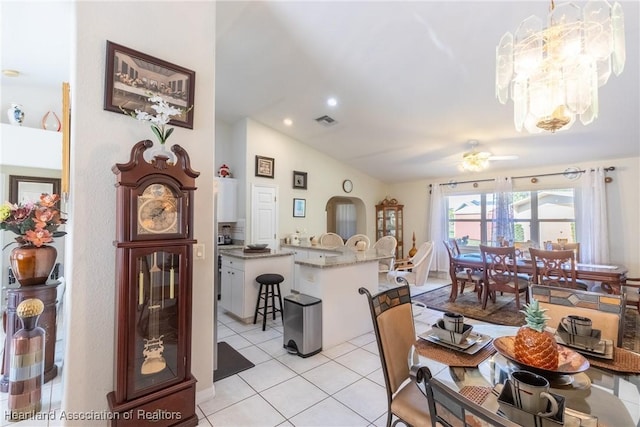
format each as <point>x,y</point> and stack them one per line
<point>352,210</point>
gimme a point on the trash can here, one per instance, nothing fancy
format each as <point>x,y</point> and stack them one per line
<point>302,324</point>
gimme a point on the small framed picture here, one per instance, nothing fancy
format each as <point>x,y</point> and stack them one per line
<point>265,166</point>
<point>300,180</point>
<point>299,208</point>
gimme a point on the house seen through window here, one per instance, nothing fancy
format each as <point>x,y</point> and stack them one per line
<point>539,216</point>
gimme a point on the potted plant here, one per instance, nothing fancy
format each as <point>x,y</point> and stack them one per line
<point>35,224</point>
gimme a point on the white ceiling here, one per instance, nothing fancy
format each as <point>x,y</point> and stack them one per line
<point>414,80</point>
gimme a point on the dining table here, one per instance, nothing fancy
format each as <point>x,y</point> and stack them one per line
<point>612,277</point>
<point>595,397</point>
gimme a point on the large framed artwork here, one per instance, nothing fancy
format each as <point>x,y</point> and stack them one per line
<point>29,188</point>
<point>131,77</point>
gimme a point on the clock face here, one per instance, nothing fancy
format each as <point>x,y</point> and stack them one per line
<point>158,211</point>
<point>347,186</point>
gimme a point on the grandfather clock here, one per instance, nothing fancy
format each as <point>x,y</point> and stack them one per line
<point>154,248</point>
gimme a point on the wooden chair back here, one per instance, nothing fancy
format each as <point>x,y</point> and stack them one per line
<point>575,247</point>
<point>501,273</point>
<point>554,268</point>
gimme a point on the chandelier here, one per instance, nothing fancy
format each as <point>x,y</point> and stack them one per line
<point>553,73</point>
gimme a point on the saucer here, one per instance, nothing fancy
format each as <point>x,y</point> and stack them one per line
<point>592,346</point>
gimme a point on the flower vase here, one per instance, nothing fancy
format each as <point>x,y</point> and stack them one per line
<point>159,150</point>
<point>15,114</point>
<point>32,265</point>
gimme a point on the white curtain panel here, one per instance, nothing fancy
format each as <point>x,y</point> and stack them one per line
<point>503,211</point>
<point>592,226</point>
<point>438,228</point>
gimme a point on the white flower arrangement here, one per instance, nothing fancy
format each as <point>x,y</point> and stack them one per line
<point>164,113</point>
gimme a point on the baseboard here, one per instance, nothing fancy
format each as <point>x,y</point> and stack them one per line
<point>205,394</point>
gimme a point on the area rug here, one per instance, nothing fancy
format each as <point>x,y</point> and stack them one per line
<point>230,362</point>
<point>504,312</point>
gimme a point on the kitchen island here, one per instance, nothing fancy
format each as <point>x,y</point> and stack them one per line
<point>335,278</point>
<point>239,289</point>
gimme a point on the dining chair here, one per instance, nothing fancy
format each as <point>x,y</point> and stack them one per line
<point>451,409</point>
<point>631,289</point>
<point>460,276</point>
<point>353,240</point>
<point>386,245</point>
<point>555,268</point>
<point>331,240</point>
<point>392,317</point>
<point>606,311</point>
<point>575,247</point>
<point>501,274</point>
<point>416,269</point>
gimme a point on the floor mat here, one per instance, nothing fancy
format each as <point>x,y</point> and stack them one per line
<point>230,362</point>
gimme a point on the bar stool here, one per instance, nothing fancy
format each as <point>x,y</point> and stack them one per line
<point>269,289</point>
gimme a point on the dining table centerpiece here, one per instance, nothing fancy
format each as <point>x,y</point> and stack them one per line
<point>35,224</point>
<point>533,345</point>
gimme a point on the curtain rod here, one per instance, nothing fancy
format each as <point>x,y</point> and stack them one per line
<point>609,169</point>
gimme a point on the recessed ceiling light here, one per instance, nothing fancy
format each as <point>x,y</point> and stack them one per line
<point>287,122</point>
<point>11,73</point>
<point>332,102</point>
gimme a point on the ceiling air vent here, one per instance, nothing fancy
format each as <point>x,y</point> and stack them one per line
<point>326,121</point>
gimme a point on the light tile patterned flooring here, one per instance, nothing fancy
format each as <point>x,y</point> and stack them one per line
<point>340,386</point>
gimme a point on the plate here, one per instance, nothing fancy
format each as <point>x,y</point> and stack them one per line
<point>258,246</point>
<point>603,350</point>
<point>569,361</point>
<point>480,341</point>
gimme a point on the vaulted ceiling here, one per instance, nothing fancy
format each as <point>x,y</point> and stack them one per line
<point>414,83</point>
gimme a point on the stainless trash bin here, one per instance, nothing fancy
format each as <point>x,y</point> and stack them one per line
<point>302,324</point>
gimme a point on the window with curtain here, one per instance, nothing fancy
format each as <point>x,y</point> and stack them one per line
<point>346,220</point>
<point>539,216</point>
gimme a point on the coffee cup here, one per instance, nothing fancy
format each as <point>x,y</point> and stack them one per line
<point>453,322</point>
<point>577,325</point>
<point>531,393</point>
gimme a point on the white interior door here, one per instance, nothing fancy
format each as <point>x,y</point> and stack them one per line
<point>264,215</point>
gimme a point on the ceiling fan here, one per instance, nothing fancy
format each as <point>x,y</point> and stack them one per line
<point>476,161</point>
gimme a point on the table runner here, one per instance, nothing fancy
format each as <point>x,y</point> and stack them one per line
<point>623,361</point>
<point>453,358</point>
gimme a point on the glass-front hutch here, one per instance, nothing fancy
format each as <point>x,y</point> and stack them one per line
<point>389,223</point>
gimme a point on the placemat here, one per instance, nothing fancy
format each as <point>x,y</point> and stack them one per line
<point>453,358</point>
<point>623,361</point>
<point>475,393</point>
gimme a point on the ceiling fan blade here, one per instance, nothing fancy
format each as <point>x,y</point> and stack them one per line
<point>503,157</point>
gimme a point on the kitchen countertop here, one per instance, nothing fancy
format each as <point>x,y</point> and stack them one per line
<point>239,253</point>
<point>336,249</point>
<point>345,258</point>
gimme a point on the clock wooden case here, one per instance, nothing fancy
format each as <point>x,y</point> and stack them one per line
<point>154,252</point>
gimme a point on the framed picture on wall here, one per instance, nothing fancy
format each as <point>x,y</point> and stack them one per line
<point>132,77</point>
<point>265,166</point>
<point>299,208</point>
<point>300,180</point>
<point>29,188</point>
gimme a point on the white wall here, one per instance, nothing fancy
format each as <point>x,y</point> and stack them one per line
<point>324,180</point>
<point>99,140</point>
<point>623,197</point>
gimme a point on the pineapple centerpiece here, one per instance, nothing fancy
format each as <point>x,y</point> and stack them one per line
<point>534,346</point>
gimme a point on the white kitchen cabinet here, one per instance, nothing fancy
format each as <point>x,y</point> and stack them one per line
<point>239,289</point>
<point>227,208</point>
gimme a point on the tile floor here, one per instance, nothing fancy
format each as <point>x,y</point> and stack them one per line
<point>340,386</point>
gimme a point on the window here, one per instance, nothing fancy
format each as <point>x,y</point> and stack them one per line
<point>539,216</point>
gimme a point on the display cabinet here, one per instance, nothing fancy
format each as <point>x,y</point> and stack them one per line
<point>389,223</point>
